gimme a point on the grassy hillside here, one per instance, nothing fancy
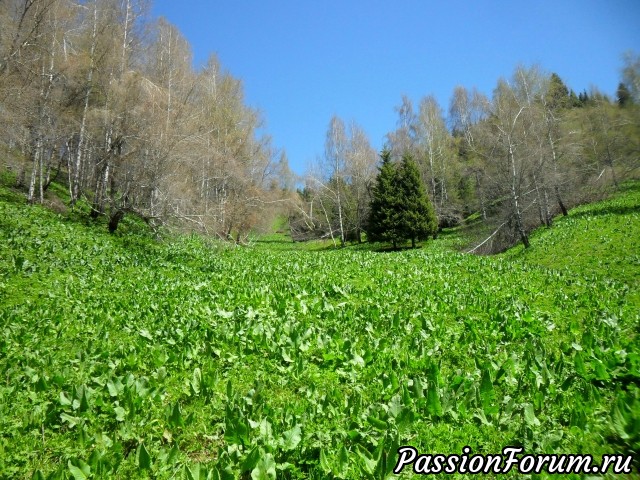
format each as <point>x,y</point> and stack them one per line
<point>595,241</point>
<point>128,358</point>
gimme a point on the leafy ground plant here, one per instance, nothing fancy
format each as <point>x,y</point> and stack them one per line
<point>124,357</point>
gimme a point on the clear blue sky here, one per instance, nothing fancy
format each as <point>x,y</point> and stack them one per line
<point>303,61</point>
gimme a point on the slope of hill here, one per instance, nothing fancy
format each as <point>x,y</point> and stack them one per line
<point>128,358</point>
<point>600,240</point>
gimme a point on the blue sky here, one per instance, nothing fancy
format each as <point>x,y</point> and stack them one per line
<point>302,61</point>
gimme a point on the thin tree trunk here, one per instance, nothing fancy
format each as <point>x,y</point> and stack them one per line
<point>547,208</point>
<point>444,196</point>
<point>328,223</point>
<point>610,165</point>
<point>20,177</point>
<point>114,220</point>
<point>34,173</point>
<point>514,198</point>
<point>77,168</point>
<point>50,179</point>
<point>75,190</point>
<point>481,195</point>
<point>556,188</point>
<point>41,168</point>
<point>433,175</point>
<point>339,198</point>
<point>542,201</point>
<point>560,202</point>
<point>102,181</point>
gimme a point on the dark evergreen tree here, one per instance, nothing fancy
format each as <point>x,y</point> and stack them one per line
<point>584,98</point>
<point>574,101</point>
<point>418,220</point>
<point>623,95</point>
<point>384,216</point>
<point>400,207</point>
<point>558,93</point>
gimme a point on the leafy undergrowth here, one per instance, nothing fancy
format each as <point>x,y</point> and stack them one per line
<point>128,358</point>
<point>599,240</point>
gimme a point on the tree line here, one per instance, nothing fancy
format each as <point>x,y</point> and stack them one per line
<point>506,163</point>
<point>102,98</point>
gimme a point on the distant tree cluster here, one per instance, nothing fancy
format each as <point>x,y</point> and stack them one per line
<point>95,95</point>
<point>511,162</point>
<point>105,101</point>
<point>334,202</point>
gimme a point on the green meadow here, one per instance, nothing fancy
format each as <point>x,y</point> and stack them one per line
<point>123,356</point>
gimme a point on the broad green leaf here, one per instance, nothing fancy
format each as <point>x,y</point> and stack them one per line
<point>64,400</point>
<point>251,460</point>
<point>292,438</point>
<point>193,472</point>
<point>434,407</point>
<point>377,423</point>
<point>196,381</point>
<point>325,463</point>
<point>145,333</point>
<point>113,388</point>
<point>579,364</point>
<point>418,389</point>
<point>236,431</point>
<point>120,414</point>
<point>84,402</point>
<point>175,419</point>
<point>81,471</point>
<point>395,406</point>
<point>76,472</point>
<point>229,390</point>
<point>487,393</point>
<point>368,462</point>
<point>173,455</point>
<point>619,423</point>
<point>265,469</point>
<point>343,462</point>
<point>286,357</point>
<point>71,420</point>
<point>224,314</point>
<point>530,416</point>
<point>601,370</point>
<point>266,431</point>
<point>143,458</point>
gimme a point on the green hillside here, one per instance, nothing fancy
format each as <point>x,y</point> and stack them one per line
<point>599,240</point>
<point>124,357</point>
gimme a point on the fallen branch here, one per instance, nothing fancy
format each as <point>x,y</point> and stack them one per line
<point>488,238</point>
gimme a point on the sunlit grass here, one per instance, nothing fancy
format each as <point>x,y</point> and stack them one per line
<point>315,358</point>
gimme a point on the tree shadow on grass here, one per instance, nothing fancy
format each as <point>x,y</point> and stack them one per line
<point>281,241</point>
<point>608,210</point>
<point>390,249</point>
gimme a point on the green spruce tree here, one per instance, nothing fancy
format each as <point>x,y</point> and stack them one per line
<point>558,95</point>
<point>623,95</point>
<point>384,216</point>
<point>418,219</point>
<point>400,207</point>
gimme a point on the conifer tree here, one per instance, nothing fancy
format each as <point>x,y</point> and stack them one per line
<point>624,96</point>
<point>384,216</point>
<point>418,219</point>
<point>558,93</point>
<point>400,207</point>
